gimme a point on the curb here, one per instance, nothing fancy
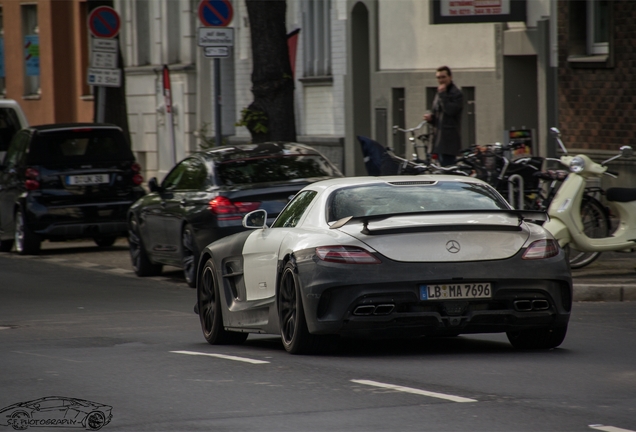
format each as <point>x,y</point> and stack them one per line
<point>596,292</point>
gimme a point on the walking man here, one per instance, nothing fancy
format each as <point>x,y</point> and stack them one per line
<point>445,116</point>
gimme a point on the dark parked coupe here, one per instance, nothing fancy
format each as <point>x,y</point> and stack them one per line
<point>205,196</point>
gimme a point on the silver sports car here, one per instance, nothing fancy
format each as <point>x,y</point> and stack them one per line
<point>387,257</point>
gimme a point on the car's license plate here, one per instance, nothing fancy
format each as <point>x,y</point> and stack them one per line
<point>89,179</point>
<point>463,290</point>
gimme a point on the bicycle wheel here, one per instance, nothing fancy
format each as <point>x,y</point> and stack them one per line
<point>596,224</point>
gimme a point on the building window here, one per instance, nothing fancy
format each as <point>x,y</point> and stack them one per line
<point>597,26</point>
<point>3,86</point>
<point>142,20</point>
<point>316,36</point>
<point>31,41</point>
<point>174,31</point>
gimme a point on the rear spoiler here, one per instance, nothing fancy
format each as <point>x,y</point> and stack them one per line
<point>522,215</point>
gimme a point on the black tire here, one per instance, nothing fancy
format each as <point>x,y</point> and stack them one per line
<point>17,424</point>
<point>210,312</point>
<point>540,338</point>
<point>139,259</point>
<point>596,224</point>
<point>293,324</point>
<point>95,420</point>
<point>190,258</point>
<point>105,241</point>
<point>26,243</point>
<point>6,245</point>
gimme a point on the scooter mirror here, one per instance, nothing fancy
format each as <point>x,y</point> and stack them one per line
<point>626,151</point>
<point>555,131</point>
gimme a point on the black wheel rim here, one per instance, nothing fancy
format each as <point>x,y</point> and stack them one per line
<point>135,244</point>
<point>287,309</point>
<point>95,421</point>
<point>207,301</point>
<point>19,232</point>
<point>188,255</point>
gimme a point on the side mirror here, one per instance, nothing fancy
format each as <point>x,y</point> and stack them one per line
<point>256,219</point>
<point>555,131</point>
<point>626,151</point>
<point>153,185</point>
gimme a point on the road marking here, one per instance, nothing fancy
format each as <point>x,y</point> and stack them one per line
<point>415,391</point>
<point>609,428</point>
<point>226,357</point>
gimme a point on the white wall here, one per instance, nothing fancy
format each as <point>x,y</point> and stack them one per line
<point>408,42</point>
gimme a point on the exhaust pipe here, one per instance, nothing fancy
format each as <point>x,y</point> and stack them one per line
<point>540,305</point>
<point>364,310</point>
<point>384,309</point>
<point>523,305</point>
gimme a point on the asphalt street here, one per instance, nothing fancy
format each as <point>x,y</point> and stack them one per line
<point>83,330</point>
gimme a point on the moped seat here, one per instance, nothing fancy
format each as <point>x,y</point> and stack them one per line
<point>551,175</point>
<point>621,194</point>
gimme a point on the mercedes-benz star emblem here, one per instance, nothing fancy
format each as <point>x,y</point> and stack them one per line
<point>452,246</point>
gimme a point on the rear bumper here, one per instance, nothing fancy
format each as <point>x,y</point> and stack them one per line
<point>384,300</point>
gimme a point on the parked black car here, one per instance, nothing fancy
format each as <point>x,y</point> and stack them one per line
<point>66,181</point>
<point>205,196</point>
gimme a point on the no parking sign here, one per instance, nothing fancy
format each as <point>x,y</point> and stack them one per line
<point>103,22</point>
<point>215,13</point>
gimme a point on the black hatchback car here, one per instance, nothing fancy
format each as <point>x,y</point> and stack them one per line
<point>205,196</point>
<point>66,181</point>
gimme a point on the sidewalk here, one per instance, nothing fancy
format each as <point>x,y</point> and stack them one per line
<point>612,277</point>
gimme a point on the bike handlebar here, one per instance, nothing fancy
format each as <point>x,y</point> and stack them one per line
<point>399,129</point>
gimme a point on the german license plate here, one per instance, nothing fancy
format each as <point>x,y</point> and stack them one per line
<point>465,290</point>
<point>88,179</point>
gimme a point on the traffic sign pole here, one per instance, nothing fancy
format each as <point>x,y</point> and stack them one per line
<point>216,38</point>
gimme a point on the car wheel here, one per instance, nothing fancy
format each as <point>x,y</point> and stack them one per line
<point>6,245</point>
<point>105,241</point>
<point>541,338</point>
<point>293,324</point>
<point>26,243</point>
<point>140,262</point>
<point>190,256</point>
<point>20,420</point>
<point>95,420</point>
<point>210,313</point>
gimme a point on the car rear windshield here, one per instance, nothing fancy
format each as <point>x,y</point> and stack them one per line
<point>274,169</point>
<point>386,199</point>
<point>79,146</point>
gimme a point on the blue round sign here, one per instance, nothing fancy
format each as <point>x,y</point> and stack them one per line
<point>215,13</point>
<point>104,22</point>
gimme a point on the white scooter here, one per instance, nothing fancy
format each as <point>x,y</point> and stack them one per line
<point>565,216</point>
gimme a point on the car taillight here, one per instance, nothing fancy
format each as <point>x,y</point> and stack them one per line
<point>137,178</point>
<point>346,255</point>
<point>31,182</point>
<point>135,167</point>
<point>225,209</point>
<point>541,249</point>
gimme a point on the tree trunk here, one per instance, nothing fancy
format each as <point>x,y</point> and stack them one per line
<point>272,81</point>
<point>116,110</point>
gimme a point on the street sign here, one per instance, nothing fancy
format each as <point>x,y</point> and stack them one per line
<point>216,36</point>
<point>103,60</point>
<point>216,51</point>
<point>105,45</point>
<point>215,13</point>
<point>103,22</point>
<point>104,77</point>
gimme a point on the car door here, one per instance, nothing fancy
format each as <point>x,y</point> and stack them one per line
<point>261,249</point>
<point>182,200</point>
<point>11,180</point>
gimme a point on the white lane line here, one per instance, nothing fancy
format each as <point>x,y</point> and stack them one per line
<point>415,391</point>
<point>609,428</point>
<point>226,357</point>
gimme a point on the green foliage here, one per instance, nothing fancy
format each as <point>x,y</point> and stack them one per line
<point>254,120</point>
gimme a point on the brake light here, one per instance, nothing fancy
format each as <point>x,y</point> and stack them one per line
<point>137,179</point>
<point>31,182</point>
<point>346,255</point>
<point>135,167</point>
<point>226,209</point>
<point>541,249</point>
